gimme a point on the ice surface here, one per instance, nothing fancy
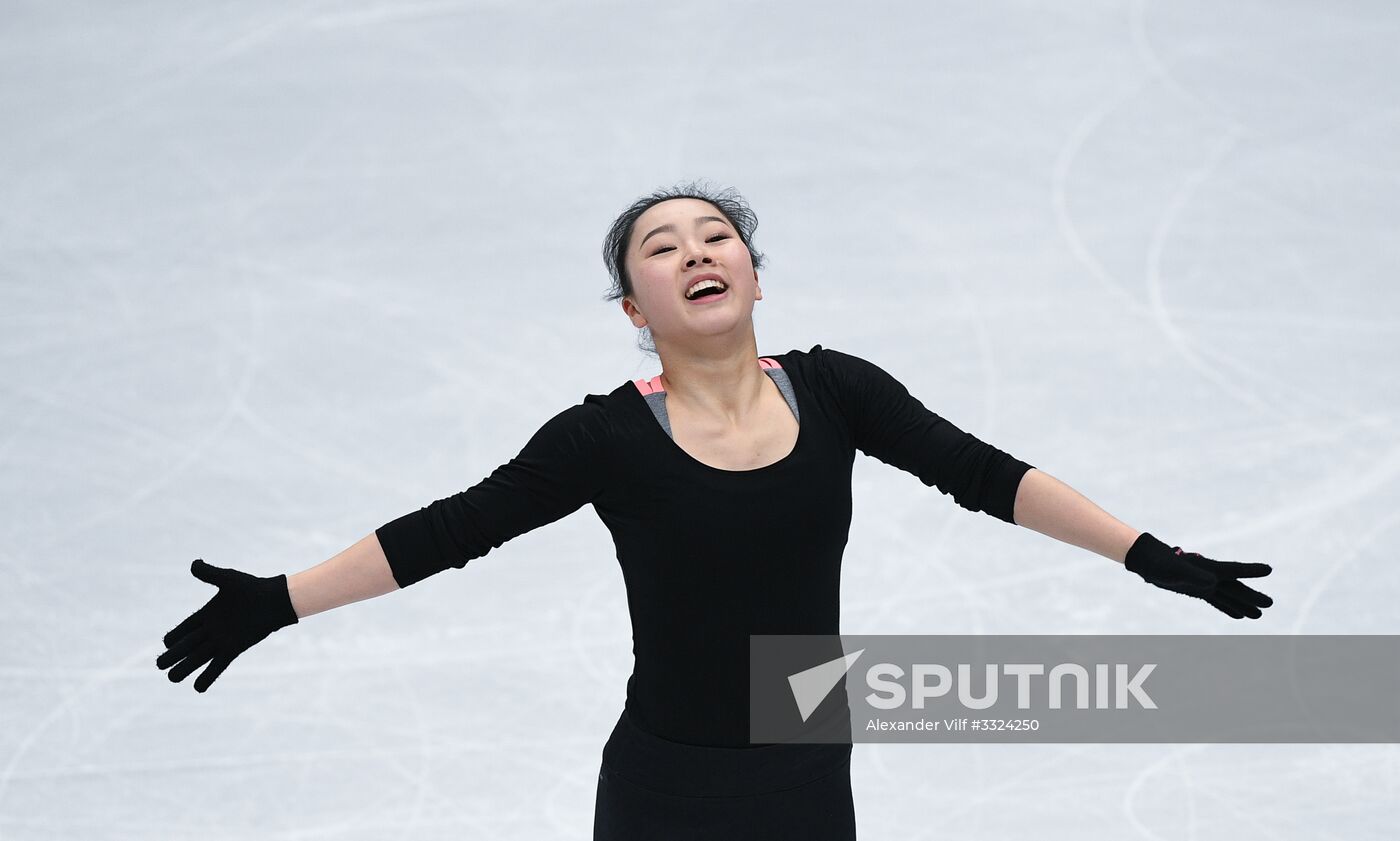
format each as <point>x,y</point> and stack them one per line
<point>272,274</point>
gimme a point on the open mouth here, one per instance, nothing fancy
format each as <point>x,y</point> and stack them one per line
<point>705,290</point>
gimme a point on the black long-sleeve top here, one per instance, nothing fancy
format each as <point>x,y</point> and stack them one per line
<point>710,556</point>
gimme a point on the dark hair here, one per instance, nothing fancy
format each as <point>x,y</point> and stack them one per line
<point>727,201</point>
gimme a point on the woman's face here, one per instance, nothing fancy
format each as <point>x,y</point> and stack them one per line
<point>674,243</point>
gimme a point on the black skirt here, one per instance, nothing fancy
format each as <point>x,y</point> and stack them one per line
<point>653,788</point>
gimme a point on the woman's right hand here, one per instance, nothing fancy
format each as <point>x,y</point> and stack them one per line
<point>243,613</point>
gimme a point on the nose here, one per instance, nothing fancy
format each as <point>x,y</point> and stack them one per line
<point>699,252</point>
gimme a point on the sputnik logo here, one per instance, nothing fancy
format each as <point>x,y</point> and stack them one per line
<point>811,686</point>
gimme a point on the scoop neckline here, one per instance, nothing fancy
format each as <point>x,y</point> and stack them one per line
<point>796,445</point>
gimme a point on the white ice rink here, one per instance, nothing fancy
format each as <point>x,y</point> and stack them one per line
<point>274,273</point>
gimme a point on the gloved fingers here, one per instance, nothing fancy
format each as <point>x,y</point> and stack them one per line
<point>181,649</point>
<point>191,623</point>
<point>216,668</point>
<point>1236,606</point>
<point>210,574</point>
<point>1245,594</point>
<point>1225,606</point>
<point>1235,569</point>
<point>201,655</point>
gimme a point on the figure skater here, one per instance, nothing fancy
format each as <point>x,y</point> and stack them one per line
<point>725,481</point>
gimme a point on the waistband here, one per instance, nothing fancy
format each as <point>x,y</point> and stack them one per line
<point>652,762</point>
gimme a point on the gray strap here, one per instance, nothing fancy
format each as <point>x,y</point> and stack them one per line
<point>657,400</point>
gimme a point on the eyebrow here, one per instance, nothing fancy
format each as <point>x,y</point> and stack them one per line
<point>698,220</point>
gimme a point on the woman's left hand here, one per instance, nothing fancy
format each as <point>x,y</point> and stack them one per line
<point>1191,574</point>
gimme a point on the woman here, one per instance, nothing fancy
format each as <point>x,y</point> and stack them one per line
<point>725,482</point>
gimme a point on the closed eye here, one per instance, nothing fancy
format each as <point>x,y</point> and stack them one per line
<point>670,247</point>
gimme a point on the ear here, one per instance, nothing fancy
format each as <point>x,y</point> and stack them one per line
<point>758,290</point>
<point>638,320</point>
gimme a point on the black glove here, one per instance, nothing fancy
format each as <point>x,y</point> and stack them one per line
<point>242,614</point>
<point>1216,582</point>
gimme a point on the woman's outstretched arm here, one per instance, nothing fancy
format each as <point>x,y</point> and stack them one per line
<point>562,467</point>
<point>249,608</point>
<point>358,573</point>
<point>1049,506</point>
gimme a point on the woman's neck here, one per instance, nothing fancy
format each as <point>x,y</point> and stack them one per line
<point>726,387</point>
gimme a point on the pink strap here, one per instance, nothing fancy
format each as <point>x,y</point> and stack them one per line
<point>651,386</point>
